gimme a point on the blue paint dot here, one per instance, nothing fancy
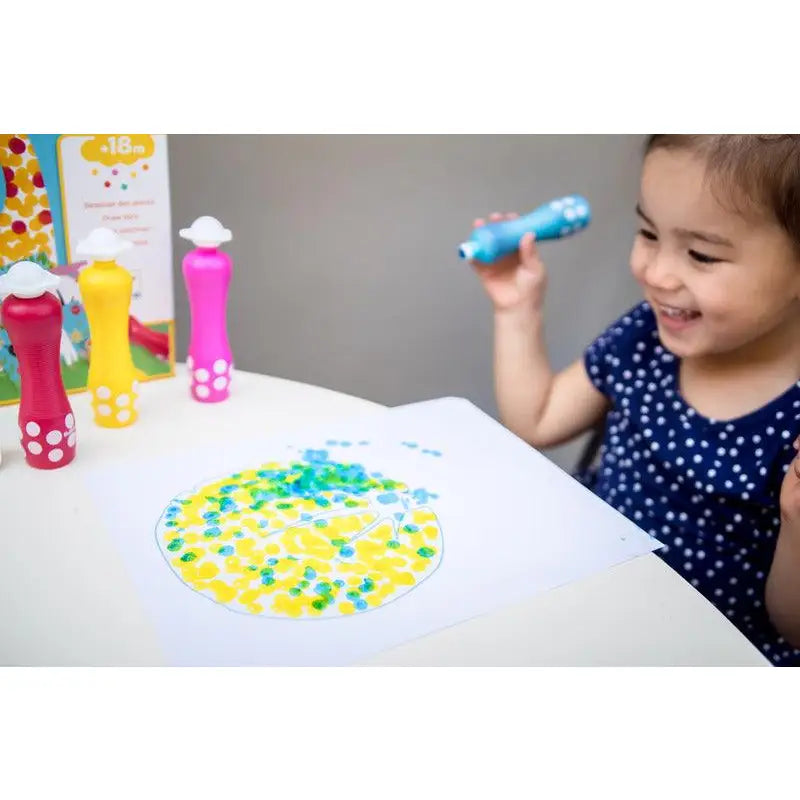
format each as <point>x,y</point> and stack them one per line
<point>263,523</point>
<point>339,582</point>
<point>320,523</point>
<point>272,561</point>
<point>360,604</point>
<point>212,533</point>
<point>267,580</point>
<point>227,505</point>
<point>388,497</point>
<point>226,550</point>
<point>399,515</point>
<point>331,443</point>
<point>436,454</point>
<point>346,551</point>
<point>238,535</point>
<point>310,574</point>
<point>306,517</point>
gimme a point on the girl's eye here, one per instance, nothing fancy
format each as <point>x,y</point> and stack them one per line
<point>701,258</point>
<point>649,235</point>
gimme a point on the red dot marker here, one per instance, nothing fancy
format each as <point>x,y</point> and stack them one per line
<point>19,227</point>
<point>45,217</point>
<point>38,180</point>
<point>16,145</point>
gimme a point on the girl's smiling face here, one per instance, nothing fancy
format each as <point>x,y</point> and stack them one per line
<point>718,282</point>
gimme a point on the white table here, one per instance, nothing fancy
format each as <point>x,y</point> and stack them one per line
<point>67,599</point>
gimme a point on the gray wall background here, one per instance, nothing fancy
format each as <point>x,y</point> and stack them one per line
<point>344,248</point>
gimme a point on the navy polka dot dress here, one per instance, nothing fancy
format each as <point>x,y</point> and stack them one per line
<point>708,490</point>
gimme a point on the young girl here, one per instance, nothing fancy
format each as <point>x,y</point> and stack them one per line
<point>699,385</point>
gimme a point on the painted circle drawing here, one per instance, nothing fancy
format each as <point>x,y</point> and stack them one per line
<point>310,539</point>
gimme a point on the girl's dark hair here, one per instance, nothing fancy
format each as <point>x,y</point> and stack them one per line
<point>754,173</point>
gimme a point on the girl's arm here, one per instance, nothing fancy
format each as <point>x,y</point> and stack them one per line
<point>542,407</point>
<point>783,582</point>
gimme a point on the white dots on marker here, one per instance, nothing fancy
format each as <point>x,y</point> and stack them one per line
<point>123,400</point>
<point>201,375</point>
<point>54,437</point>
<point>220,366</point>
<point>55,455</point>
<point>34,448</point>
<point>69,422</point>
<point>71,439</point>
<point>203,392</point>
<point>103,392</point>
<point>32,429</point>
<point>124,415</point>
<point>220,383</point>
<point>104,410</point>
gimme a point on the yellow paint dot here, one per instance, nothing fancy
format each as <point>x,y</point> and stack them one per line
<point>208,570</point>
<point>133,174</point>
<point>94,172</point>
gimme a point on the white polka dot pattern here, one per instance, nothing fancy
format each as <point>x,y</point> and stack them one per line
<point>211,380</point>
<point>708,490</point>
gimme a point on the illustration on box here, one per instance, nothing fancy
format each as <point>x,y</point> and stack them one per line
<point>31,229</point>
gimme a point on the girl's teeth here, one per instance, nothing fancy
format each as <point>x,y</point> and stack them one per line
<point>679,313</point>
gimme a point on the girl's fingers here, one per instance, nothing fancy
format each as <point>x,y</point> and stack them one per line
<point>527,249</point>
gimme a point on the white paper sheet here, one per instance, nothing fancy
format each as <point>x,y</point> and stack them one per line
<point>500,522</point>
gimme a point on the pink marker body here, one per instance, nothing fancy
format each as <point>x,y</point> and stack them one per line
<point>207,274</point>
<point>46,421</point>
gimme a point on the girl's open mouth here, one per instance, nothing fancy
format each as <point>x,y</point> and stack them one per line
<point>675,317</point>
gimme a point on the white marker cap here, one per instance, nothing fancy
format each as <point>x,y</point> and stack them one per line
<point>206,232</point>
<point>27,279</point>
<point>102,244</point>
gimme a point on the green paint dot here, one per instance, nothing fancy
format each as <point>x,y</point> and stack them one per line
<point>294,592</point>
<point>353,595</point>
<point>393,543</point>
<point>351,504</point>
<point>319,604</point>
<point>338,542</point>
<point>252,567</point>
<point>174,545</point>
<point>410,528</point>
<point>284,506</point>
<point>304,584</point>
<point>426,552</point>
<point>187,557</point>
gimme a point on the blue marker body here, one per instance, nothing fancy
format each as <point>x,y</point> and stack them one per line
<point>553,220</point>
